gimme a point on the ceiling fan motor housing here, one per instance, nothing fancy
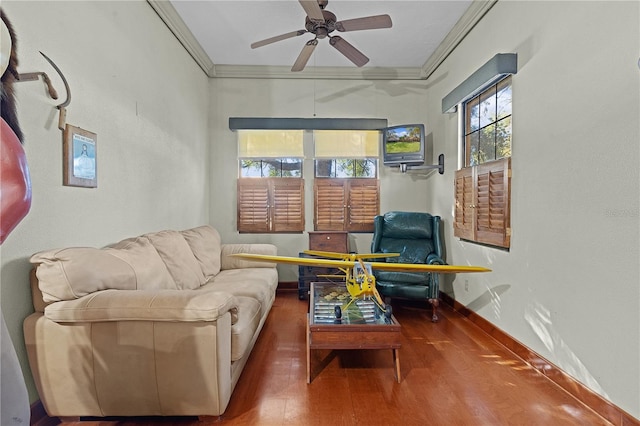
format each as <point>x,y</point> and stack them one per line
<point>322,29</point>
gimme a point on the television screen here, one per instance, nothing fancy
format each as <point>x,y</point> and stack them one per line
<point>403,144</point>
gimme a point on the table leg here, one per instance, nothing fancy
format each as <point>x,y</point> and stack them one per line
<point>308,353</point>
<point>396,361</point>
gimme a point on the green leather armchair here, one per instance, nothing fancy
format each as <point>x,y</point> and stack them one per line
<point>416,237</point>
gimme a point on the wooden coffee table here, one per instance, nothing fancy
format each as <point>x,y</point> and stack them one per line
<point>362,326</point>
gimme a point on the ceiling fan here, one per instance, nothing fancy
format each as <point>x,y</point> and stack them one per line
<point>322,23</point>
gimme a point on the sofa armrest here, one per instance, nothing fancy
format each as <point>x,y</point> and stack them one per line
<point>229,262</point>
<point>145,305</point>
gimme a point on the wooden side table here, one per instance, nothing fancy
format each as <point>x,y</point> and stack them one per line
<point>335,241</point>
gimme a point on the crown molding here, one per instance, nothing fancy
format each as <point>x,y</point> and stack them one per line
<point>328,73</point>
<point>176,25</point>
<point>465,24</point>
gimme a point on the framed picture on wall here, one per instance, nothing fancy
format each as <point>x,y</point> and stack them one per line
<point>80,156</point>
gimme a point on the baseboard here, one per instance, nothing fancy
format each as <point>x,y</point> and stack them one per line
<point>287,286</point>
<point>604,408</point>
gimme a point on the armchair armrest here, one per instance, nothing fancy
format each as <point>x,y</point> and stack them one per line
<point>228,262</point>
<point>145,305</point>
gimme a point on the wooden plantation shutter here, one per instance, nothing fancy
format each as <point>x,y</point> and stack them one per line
<point>364,204</point>
<point>331,205</point>
<point>464,213</point>
<point>346,204</point>
<point>493,201</point>
<point>287,205</point>
<point>483,200</point>
<point>271,205</point>
<point>253,205</point>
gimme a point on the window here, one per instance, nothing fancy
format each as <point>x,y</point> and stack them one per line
<point>483,186</point>
<point>270,184</point>
<point>346,187</point>
<point>271,167</point>
<point>488,124</point>
<point>346,168</point>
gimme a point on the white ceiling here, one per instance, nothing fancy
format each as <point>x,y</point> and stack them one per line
<point>218,33</point>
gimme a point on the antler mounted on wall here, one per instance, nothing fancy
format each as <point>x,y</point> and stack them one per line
<point>31,76</point>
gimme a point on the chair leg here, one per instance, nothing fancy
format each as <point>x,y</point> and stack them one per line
<point>434,309</point>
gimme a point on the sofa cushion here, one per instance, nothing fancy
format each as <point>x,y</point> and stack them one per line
<point>244,329</point>
<point>228,262</point>
<point>70,273</point>
<point>205,245</point>
<point>179,259</point>
<point>145,305</point>
<point>257,283</point>
<point>147,264</point>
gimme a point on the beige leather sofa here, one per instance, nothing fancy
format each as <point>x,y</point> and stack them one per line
<point>160,324</point>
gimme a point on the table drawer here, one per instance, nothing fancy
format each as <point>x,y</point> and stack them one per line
<point>335,241</point>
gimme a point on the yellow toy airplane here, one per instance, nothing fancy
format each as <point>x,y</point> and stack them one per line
<point>358,275</point>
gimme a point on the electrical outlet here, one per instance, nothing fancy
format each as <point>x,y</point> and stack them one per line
<point>466,285</point>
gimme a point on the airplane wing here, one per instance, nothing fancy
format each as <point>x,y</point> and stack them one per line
<point>421,267</point>
<point>386,266</point>
<point>350,256</point>
<point>330,263</point>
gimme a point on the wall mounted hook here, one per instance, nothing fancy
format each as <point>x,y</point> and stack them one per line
<point>31,76</point>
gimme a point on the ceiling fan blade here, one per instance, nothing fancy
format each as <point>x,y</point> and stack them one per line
<point>353,54</point>
<point>277,38</point>
<point>304,55</point>
<point>367,23</point>
<point>312,9</point>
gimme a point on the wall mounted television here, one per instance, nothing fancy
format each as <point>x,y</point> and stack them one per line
<point>403,144</point>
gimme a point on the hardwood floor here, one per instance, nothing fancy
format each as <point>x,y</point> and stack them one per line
<point>452,374</point>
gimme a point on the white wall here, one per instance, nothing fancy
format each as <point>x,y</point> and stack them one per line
<point>569,286</point>
<point>398,101</point>
<point>132,84</point>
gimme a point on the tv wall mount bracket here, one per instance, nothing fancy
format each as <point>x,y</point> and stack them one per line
<point>439,166</point>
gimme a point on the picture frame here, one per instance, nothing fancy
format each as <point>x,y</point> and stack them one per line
<point>80,157</point>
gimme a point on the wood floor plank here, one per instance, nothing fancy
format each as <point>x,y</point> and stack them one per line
<point>452,374</point>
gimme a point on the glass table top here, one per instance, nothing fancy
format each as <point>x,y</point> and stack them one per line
<point>325,297</point>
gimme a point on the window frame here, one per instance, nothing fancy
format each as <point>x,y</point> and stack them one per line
<point>374,161</point>
<point>488,93</point>
<point>259,193</point>
<point>343,202</point>
<point>280,160</point>
<point>482,189</point>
